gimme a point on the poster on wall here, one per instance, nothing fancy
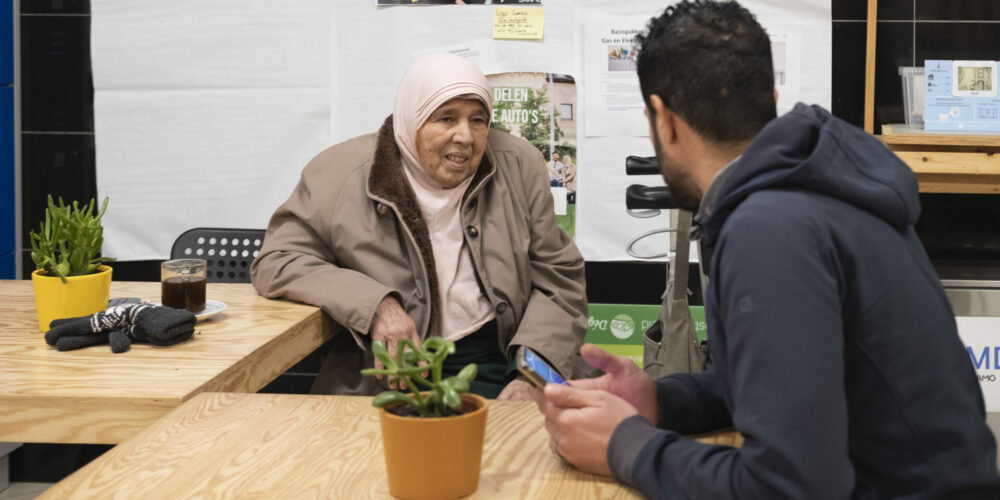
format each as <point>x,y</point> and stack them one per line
<point>541,108</point>
<point>614,102</point>
<point>458,2</point>
<point>786,53</point>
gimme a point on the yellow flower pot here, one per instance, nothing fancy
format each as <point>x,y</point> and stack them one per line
<point>79,296</point>
<point>435,458</point>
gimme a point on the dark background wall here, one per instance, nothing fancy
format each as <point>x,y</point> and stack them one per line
<point>57,136</point>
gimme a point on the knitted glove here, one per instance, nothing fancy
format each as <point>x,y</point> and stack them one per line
<point>120,326</point>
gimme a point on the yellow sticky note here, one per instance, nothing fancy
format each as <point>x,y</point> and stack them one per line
<point>518,23</point>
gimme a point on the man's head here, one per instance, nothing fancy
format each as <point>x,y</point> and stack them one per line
<point>555,157</point>
<point>707,65</point>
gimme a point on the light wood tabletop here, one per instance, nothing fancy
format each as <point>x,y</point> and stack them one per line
<point>297,446</point>
<point>91,395</point>
<point>301,446</point>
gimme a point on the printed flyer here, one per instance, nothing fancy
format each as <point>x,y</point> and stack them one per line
<point>614,100</point>
<point>458,2</point>
<point>541,107</point>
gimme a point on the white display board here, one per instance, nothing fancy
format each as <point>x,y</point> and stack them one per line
<point>205,112</point>
<point>224,101</point>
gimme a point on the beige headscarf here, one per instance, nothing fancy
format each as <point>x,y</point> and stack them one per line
<point>428,83</point>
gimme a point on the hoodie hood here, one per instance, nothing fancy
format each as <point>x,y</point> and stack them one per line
<point>809,149</point>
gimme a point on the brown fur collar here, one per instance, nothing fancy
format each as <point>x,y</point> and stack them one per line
<point>387,182</point>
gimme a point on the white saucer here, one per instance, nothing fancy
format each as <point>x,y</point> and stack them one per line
<point>212,307</point>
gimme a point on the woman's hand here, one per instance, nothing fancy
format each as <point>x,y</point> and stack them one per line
<point>390,325</point>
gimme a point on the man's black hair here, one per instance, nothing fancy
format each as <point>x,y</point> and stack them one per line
<point>710,62</point>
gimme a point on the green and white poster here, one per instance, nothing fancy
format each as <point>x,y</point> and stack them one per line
<point>618,328</point>
<point>541,107</point>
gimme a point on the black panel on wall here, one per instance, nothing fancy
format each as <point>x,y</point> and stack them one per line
<point>848,89</point>
<point>57,110</point>
<point>57,94</point>
<point>857,10</point>
<point>958,10</point>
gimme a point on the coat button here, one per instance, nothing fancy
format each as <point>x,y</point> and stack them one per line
<point>473,232</point>
<point>381,208</point>
<point>501,308</point>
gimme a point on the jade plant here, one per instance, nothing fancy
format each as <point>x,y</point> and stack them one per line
<point>430,397</point>
<point>68,243</point>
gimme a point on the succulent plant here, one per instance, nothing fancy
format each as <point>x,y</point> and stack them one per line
<point>68,243</point>
<point>431,397</point>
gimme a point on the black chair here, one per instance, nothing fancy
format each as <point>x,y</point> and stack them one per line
<point>229,252</point>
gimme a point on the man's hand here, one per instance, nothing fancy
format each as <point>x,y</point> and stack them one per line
<point>390,325</point>
<point>580,423</point>
<point>623,379</point>
<point>520,389</point>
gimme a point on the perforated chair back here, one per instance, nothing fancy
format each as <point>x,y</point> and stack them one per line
<point>229,252</point>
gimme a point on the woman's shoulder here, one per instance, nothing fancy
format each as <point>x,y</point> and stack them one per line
<point>513,152</point>
<point>504,142</point>
<point>340,161</point>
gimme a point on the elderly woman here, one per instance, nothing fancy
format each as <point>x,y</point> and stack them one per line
<point>436,225</point>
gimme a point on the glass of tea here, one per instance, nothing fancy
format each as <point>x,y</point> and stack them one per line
<point>182,284</point>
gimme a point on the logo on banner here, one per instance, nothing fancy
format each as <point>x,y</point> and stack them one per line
<point>622,326</point>
<point>988,358</point>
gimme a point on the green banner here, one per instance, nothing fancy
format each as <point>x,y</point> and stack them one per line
<point>618,328</point>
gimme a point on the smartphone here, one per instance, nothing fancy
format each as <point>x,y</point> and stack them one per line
<point>535,369</point>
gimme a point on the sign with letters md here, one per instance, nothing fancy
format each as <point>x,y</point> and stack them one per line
<point>981,336</point>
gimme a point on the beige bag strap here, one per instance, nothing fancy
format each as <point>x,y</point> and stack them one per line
<point>679,264</point>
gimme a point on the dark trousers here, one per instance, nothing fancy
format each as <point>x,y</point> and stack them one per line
<point>482,348</point>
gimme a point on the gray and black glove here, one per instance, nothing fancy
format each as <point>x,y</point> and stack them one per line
<point>121,325</point>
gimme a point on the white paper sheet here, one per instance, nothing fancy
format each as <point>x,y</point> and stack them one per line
<point>614,102</point>
<point>205,113</point>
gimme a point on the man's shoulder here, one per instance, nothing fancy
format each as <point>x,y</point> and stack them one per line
<point>788,208</point>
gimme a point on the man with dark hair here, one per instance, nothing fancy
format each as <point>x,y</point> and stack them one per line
<point>835,349</point>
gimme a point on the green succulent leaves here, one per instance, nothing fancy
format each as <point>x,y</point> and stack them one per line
<point>68,243</point>
<point>410,366</point>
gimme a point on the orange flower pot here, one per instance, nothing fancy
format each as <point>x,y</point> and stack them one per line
<point>435,458</point>
<point>79,296</point>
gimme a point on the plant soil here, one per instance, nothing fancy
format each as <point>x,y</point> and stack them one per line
<point>405,410</point>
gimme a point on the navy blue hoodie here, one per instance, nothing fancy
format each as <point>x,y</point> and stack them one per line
<point>836,352</point>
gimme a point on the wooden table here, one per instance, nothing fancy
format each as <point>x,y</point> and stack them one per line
<point>298,446</point>
<point>94,396</point>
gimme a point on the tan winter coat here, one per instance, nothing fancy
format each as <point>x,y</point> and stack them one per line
<point>352,233</point>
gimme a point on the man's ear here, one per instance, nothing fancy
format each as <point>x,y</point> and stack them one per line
<point>663,122</point>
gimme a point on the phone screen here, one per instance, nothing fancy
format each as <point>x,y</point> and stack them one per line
<point>540,367</point>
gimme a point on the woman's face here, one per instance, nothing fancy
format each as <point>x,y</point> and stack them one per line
<point>451,142</point>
